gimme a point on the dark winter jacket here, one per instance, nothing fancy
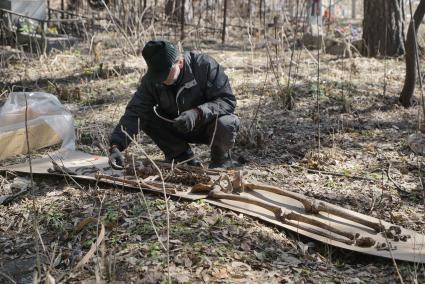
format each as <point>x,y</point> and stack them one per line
<point>204,85</point>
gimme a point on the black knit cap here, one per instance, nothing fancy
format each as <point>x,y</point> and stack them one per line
<point>159,56</point>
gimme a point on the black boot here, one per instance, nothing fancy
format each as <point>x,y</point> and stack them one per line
<point>221,159</point>
<point>194,163</point>
<point>188,154</point>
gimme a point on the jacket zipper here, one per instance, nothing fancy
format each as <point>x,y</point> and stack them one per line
<point>188,85</point>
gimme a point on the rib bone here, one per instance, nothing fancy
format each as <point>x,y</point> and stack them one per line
<point>288,217</point>
<point>314,207</point>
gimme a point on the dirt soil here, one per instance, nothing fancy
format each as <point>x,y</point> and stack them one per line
<point>363,132</point>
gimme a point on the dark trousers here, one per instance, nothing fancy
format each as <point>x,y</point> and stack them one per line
<point>174,143</point>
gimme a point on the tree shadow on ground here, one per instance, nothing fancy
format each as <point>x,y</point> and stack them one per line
<point>95,73</point>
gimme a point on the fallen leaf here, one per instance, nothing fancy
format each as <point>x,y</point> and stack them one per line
<point>238,264</point>
<point>220,272</point>
<point>259,255</point>
<point>182,278</point>
<point>290,259</point>
<point>199,271</point>
<point>416,142</point>
<point>93,248</point>
<point>83,223</point>
<point>245,246</point>
<point>187,262</point>
<point>49,279</point>
<point>152,277</point>
<point>205,276</point>
<point>132,260</point>
<point>237,256</point>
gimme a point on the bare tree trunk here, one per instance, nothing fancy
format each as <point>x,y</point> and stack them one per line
<point>48,10</point>
<point>215,13</point>
<point>411,55</point>
<point>353,9</point>
<point>377,12</point>
<point>330,9</point>
<point>261,10</point>
<point>288,8</point>
<point>182,20</point>
<point>207,11</point>
<point>223,33</point>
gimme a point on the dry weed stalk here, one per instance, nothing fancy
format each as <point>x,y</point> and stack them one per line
<point>294,39</point>
<point>120,30</point>
<point>422,99</point>
<point>260,100</point>
<point>100,144</point>
<point>166,199</point>
<point>36,232</point>
<point>392,256</point>
<point>286,98</point>
<point>97,229</point>
<point>7,277</point>
<point>318,89</point>
<point>251,43</point>
<point>145,202</point>
<point>35,220</point>
<point>63,170</point>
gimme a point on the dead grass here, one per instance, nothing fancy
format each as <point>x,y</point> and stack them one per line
<point>208,244</point>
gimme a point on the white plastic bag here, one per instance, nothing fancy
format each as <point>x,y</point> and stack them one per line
<point>43,108</point>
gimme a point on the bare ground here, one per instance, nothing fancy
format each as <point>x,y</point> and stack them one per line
<point>363,132</point>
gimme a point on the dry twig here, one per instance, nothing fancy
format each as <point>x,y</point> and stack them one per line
<point>399,188</point>
<point>166,199</point>
<point>392,257</point>
<point>34,206</point>
<point>147,208</point>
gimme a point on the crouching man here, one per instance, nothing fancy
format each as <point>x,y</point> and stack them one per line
<point>182,99</point>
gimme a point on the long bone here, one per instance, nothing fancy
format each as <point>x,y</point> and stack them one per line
<point>140,182</point>
<point>310,205</point>
<point>287,217</point>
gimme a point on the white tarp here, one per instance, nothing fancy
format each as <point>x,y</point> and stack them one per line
<point>32,8</point>
<point>48,122</point>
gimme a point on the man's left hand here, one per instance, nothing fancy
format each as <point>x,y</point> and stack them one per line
<point>187,120</point>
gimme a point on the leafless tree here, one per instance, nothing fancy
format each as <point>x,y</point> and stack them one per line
<point>411,57</point>
<point>383,27</point>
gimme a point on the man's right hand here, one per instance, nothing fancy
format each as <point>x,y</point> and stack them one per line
<point>116,158</point>
<point>187,120</point>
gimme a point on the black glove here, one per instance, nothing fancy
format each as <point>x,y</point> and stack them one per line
<point>187,120</point>
<point>116,159</point>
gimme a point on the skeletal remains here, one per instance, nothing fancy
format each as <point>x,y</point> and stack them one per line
<point>225,188</point>
<point>233,188</point>
<point>177,176</point>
